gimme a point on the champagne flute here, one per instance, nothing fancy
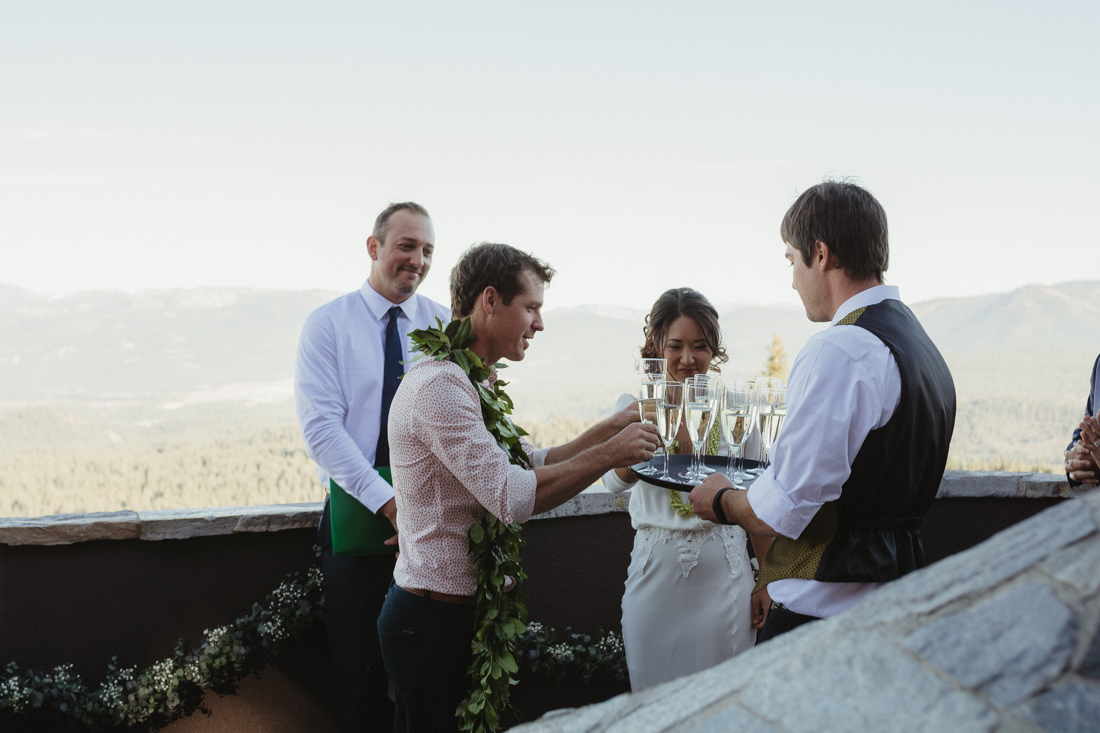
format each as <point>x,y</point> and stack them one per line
<point>649,394</point>
<point>763,409</point>
<point>689,472</point>
<point>670,407</point>
<point>703,470</point>
<point>738,403</point>
<point>747,385</point>
<point>778,414</point>
<point>650,371</point>
<point>700,408</point>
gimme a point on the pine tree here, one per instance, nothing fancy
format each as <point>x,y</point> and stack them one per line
<point>776,365</point>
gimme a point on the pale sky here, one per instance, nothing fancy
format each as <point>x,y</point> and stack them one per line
<point>635,146</point>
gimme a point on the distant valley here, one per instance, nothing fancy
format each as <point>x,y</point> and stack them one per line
<point>109,372</point>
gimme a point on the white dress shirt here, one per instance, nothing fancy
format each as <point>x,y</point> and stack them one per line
<point>844,383</point>
<point>338,385</point>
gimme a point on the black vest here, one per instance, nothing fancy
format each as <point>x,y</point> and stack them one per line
<point>871,533</point>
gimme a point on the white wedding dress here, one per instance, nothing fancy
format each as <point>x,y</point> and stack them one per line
<point>687,601</point>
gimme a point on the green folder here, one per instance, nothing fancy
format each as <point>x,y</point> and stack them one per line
<point>357,530</point>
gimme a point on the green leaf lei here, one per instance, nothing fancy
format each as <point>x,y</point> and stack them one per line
<point>499,617</point>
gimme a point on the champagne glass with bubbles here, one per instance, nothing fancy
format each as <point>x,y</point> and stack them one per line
<point>738,408</point>
<point>747,385</point>
<point>777,400</point>
<point>649,394</point>
<point>670,408</point>
<point>700,409</point>
<point>763,411</point>
<point>703,470</point>
<point>651,372</point>
<point>689,472</point>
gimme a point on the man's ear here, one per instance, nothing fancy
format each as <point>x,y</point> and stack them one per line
<point>823,257</point>
<point>372,246</point>
<point>489,299</point>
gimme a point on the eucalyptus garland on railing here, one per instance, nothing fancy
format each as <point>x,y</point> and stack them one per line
<point>174,686</point>
<point>500,615</point>
<point>583,655</point>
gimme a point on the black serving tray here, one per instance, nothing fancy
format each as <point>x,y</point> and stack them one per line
<point>679,464</point>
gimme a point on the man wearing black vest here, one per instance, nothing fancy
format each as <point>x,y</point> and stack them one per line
<point>870,411</point>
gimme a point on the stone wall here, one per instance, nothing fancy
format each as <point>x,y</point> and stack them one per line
<point>1001,637</point>
<point>82,588</point>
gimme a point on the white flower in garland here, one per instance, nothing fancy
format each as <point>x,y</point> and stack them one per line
<point>163,676</point>
<point>218,637</point>
<point>561,652</point>
<point>286,594</point>
<point>16,694</point>
<point>610,644</point>
<point>274,629</point>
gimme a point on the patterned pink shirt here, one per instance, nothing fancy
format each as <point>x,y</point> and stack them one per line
<point>447,470</point>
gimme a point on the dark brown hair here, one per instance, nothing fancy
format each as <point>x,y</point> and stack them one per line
<point>492,265</point>
<point>848,219</point>
<point>382,223</point>
<point>683,302</point>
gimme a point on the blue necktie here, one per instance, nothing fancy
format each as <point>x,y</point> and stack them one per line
<point>391,377</point>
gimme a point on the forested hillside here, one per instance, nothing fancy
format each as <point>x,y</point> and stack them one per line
<point>179,399</point>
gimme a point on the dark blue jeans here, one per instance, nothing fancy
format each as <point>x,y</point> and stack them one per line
<point>426,649</point>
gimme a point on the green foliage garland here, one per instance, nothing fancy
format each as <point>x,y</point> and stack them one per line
<point>500,616</point>
<point>582,655</point>
<point>175,686</point>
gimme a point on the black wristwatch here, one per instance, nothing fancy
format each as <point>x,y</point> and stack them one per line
<point>716,506</point>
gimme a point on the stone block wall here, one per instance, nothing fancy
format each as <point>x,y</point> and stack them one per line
<point>1004,636</point>
<point>82,588</point>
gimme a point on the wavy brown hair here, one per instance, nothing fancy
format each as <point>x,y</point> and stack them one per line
<point>683,302</point>
<point>492,265</point>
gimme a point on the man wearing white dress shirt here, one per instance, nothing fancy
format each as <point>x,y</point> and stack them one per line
<point>348,363</point>
<point>870,412</point>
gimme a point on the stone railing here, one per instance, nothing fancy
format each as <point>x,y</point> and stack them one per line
<point>80,597</point>
<point>175,524</point>
<point>1003,636</point>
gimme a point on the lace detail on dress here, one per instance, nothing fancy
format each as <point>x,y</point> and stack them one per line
<point>689,544</point>
<point>735,541</point>
<point>647,538</point>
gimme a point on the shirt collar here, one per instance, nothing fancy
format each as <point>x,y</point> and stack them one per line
<point>380,306</point>
<point>870,296</point>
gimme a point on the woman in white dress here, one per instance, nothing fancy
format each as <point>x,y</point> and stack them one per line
<point>687,601</point>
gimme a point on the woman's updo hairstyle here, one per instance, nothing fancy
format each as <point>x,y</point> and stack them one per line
<point>683,302</point>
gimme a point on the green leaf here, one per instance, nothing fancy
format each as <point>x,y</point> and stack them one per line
<point>508,663</point>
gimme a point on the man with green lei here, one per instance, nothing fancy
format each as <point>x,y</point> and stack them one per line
<point>461,472</point>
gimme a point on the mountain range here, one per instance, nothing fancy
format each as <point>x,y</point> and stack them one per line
<point>156,356</point>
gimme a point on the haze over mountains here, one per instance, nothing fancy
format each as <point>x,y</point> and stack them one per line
<point>133,363</point>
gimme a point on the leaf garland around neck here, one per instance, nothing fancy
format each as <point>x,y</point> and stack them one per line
<point>499,615</point>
